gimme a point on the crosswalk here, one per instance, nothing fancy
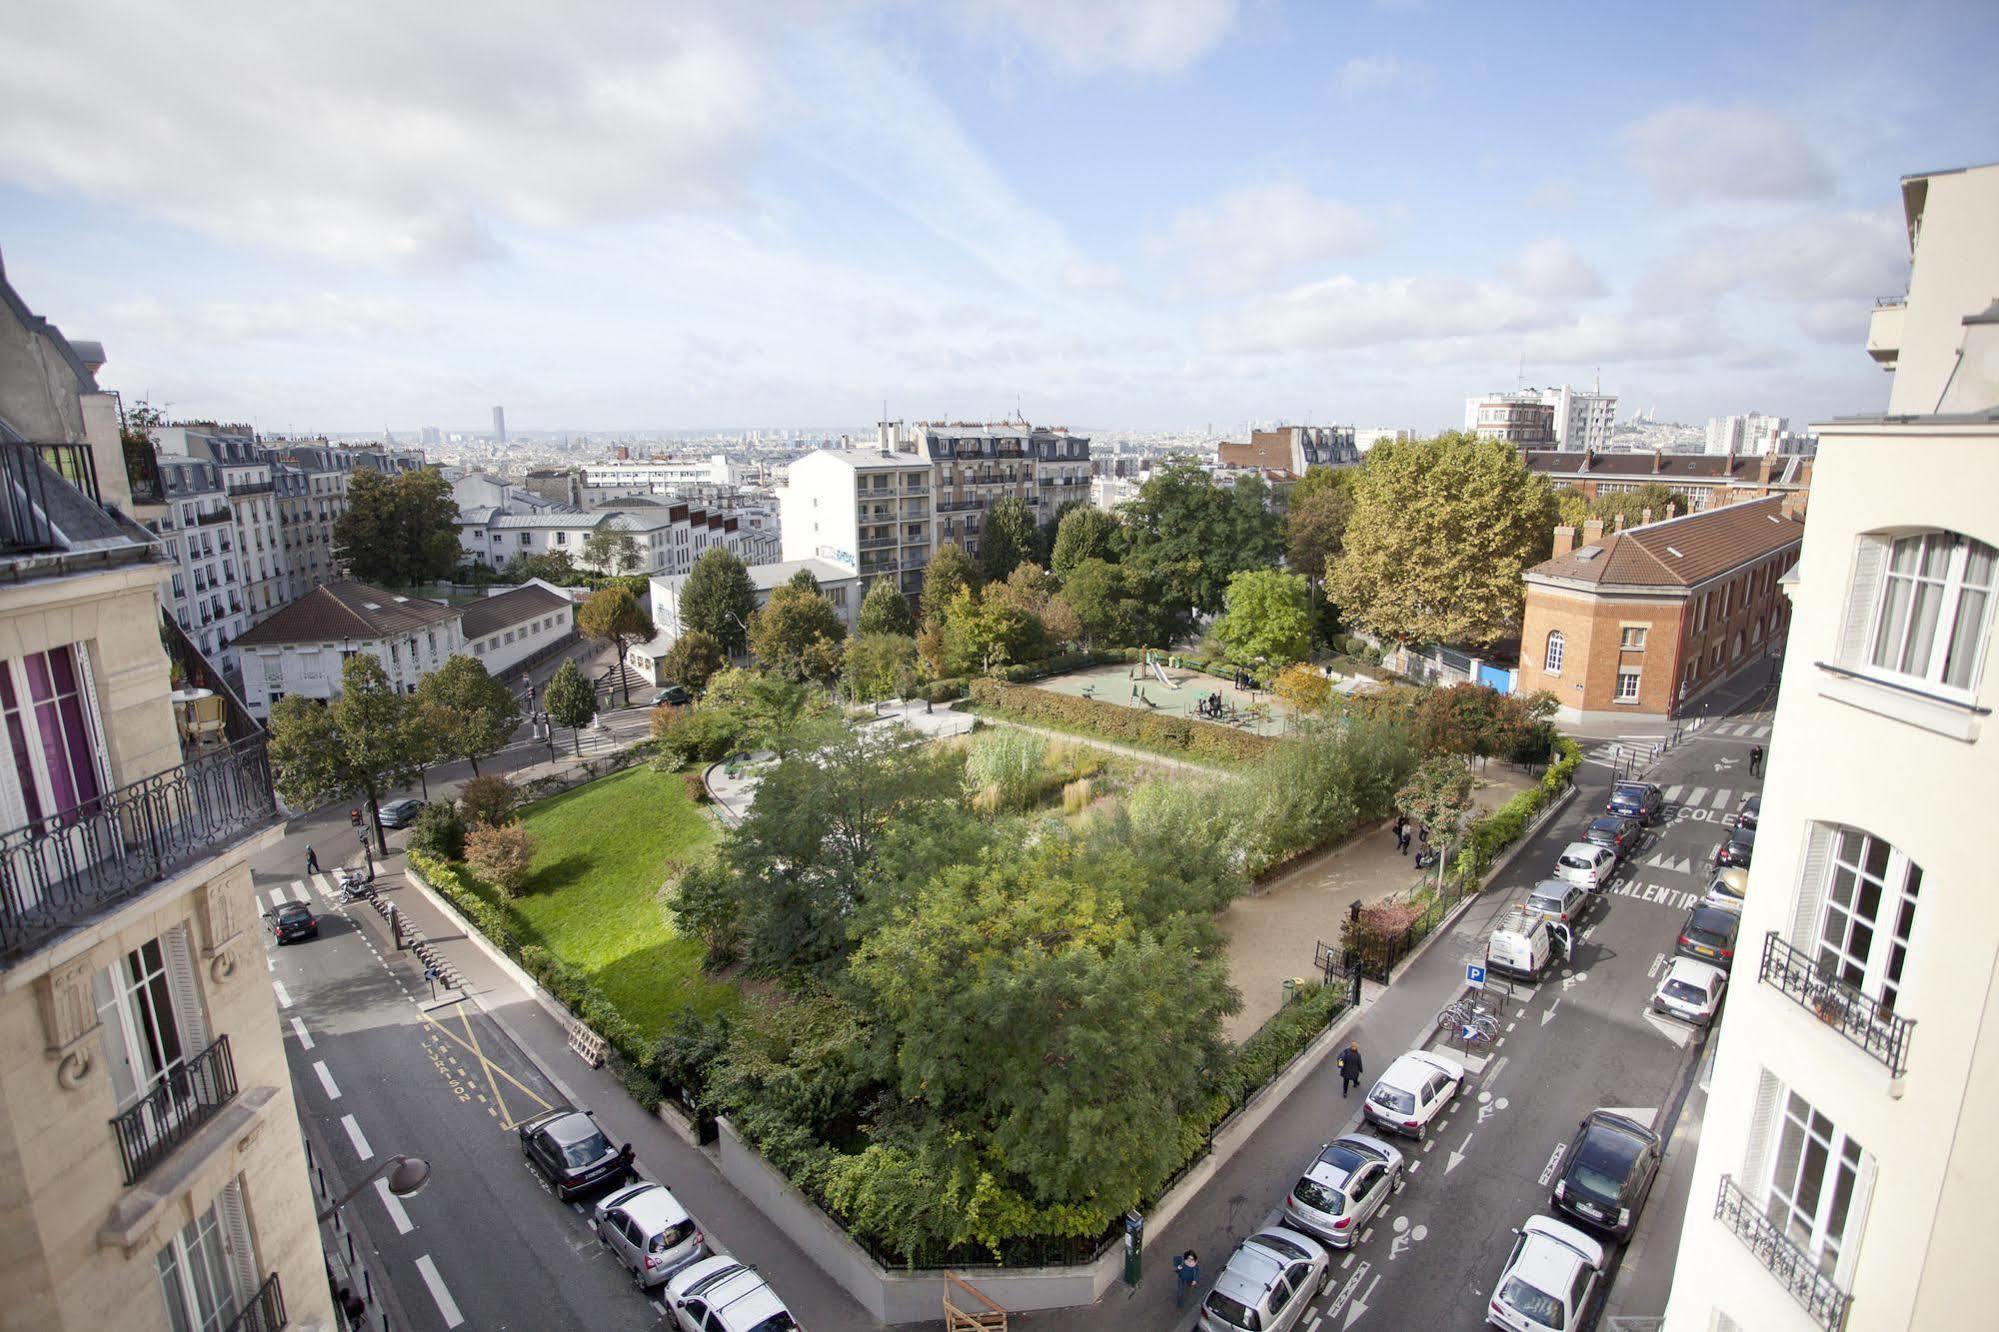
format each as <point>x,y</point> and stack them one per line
<point>1702,797</point>
<point>1739,730</point>
<point>290,892</point>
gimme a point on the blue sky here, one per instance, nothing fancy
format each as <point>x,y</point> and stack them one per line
<point>638,214</point>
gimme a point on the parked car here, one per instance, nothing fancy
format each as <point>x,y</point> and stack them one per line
<point>1607,1172</point>
<point>1561,900</point>
<point>672,696</point>
<point>572,1153</point>
<point>1728,889</point>
<point>1523,942</point>
<point>1690,991</point>
<point>1749,812</point>
<point>1615,833</point>
<point>399,813</point>
<point>1735,852</point>
<point>1708,935</point>
<point>719,1294</point>
<point>293,920</point>
<point>1343,1188</point>
<point>1637,800</point>
<point>650,1233</point>
<point>1586,865</point>
<point>1268,1284</point>
<point>1416,1086</point>
<point>1549,1280</point>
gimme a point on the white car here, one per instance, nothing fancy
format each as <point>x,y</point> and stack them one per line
<point>1586,865</point>
<point>1346,1184</point>
<point>1413,1090</point>
<point>1690,991</point>
<point>1549,1279</point>
<point>719,1294</point>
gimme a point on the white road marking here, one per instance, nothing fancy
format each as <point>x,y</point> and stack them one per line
<point>1549,1015</point>
<point>439,1292</point>
<point>1347,1261</point>
<point>299,894</point>
<point>326,1079</point>
<point>276,897</point>
<point>1554,1162</point>
<point>270,963</point>
<point>1658,960</point>
<point>1700,794</point>
<point>1720,800</point>
<point>358,1138</point>
<point>1414,1166</point>
<point>1359,1305</point>
<point>284,995</point>
<point>304,1036</point>
<point>1458,1155</point>
<point>394,1206</point>
<point>1673,794</point>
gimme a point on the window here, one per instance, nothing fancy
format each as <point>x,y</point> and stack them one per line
<point>204,1267</point>
<point>1933,606</point>
<point>1627,684</point>
<point>1633,638</point>
<point>1552,663</point>
<point>1870,908</point>
<point>1813,1178</point>
<point>51,723</point>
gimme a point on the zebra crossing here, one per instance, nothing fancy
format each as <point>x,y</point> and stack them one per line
<point>290,892</point>
<point>1739,730</point>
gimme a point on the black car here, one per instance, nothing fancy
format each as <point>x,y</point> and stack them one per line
<point>572,1153</point>
<point>1752,809</point>
<point>1637,800</point>
<point>1735,852</point>
<point>1616,832</point>
<point>400,813</point>
<point>1708,935</point>
<point>293,920</point>
<point>672,696</point>
<point>1608,1172</point>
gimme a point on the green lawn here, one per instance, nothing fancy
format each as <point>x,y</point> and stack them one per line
<point>604,850</point>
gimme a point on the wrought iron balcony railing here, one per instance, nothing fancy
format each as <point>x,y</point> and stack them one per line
<point>266,1310</point>
<point>1867,1023</point>
<point>1797,1270</point>
<point>184,1100</point>
<point>61,870</point>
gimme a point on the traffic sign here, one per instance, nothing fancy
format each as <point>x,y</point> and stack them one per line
<point>1474,974</point>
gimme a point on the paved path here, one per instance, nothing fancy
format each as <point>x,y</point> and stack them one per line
<point>1146,756</point>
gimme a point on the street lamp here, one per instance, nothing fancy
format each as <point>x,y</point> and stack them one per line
<point>406,1175</point>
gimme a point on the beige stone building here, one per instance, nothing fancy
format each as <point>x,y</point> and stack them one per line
<point>151,1168</point>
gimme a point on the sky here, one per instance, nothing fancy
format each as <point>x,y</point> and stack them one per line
<point>1108,214</point>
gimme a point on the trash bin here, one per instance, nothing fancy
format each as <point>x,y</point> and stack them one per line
<point>1290,990</point>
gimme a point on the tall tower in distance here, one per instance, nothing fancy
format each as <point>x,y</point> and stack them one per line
<point>499,425</point>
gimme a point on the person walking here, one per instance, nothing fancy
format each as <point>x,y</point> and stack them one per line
<point>1187,1271</point>
<point>311,860</point>
<point>1402,840</point>
<point>1755,760</point>
<point>1350,1070</point>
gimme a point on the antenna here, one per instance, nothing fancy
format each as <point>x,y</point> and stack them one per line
<point>1520,378</point>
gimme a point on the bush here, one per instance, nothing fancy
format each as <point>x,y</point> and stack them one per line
<point>697,789</point>
<point>502,928</point>
<point>1009,763</point>
<point>502,855</point>
<point>1149,730</point>
<point>695,735</point>
<point>1076,796</point>
<point>488,801</point>
<point>1281,1039</point>
<point>439,832</point>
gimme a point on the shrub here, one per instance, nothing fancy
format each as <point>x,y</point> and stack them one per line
<point>1008,763</point>
<point>502,928</point>
<point>1151,730</point>
<point>705,906</point>
<point>697,789</point>
<point>1281,1039</point>
<point>488,801</point>
<point>439,832</point>
<point>502,855</point>
<point>1076,796</point>
<point>695,735</point>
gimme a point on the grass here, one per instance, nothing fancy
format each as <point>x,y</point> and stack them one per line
<point>604,852</point>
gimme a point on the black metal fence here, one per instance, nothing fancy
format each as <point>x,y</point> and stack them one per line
<point>1795,1269</point>
<point>266,1310</point>
<point>24,494</point>
<point>184,1100</point>
<point>1869,1025</point>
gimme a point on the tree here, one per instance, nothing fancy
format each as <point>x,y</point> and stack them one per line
<point>488,801</point>
<point>1008,537</point>
<point>1107,601</point>
<point>805,581</point>
<point>693,660</point>
<point>950,571</point>
<point>797,635</point>
<point>613,552</point>
<point>400,532</point>
<point>773,712</point>
<point>1315,519</point>
<point>1085,533</point>
<point>1438,796</point>
<point>1059,618</point>
<point>718,599</point>
<point>879,666</point>
<point>1633,505</point>
<point>1269,617</point>
<point>1441,532</point>
<point>1303,688</point>
<point>502,854</point>
<point>466,711</point>
<point>613,615</point>
<point>1193,534</point>
<point>551,566</point>
<point>885,610</point>
<point>360,744</point>
<point>570,701</point>
<point>984,631</point>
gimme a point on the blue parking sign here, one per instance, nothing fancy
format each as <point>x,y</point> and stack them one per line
<point>1474,974</point>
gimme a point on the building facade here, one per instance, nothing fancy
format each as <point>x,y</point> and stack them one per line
<point>1576,420</point>
<point>204,594</point>
<point>974,465</point>
<point>1518,418</point>
<point>522,627</point>
<point>1706,481</point>
<point>868,512</point>
<point>1292,449</point>
<point>1954,273</point>
<point>301,648</point>
<point>841,586</point>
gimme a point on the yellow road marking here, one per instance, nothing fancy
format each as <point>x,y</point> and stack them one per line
<point>492,1069</point>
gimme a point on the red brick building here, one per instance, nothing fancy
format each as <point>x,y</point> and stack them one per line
<point>1644,621</point>
<point>1706,479</point>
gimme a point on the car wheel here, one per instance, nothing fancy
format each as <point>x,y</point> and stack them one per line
<point>1325,1279</point>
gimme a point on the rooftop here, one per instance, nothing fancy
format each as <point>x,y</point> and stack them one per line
<point>345,610</point>
<point>526,602</point>
<point>1680,552</point>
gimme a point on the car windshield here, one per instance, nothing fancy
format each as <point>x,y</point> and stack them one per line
<point>670,1237</point>
<point>1538,1305</point>
<point>1579,861</point>
<point>1685,991</point>
<point>586,1150</point>
<point>777,1322</point>
<point>1319,1197</point>
<point>1635,794</point>
<point>1545,902</point>
<point>293,911</point>
<point>1278,1244</point>
<point>1394,1099</point>
<point>1233,1312</point>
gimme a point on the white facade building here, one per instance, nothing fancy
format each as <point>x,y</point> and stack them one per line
<point>974,465</point>
<point>518,627</point>
<point>205,593</point>
<point>1956,273</point>
<point>867,512</point>
<point>663,475</point>
<point>1747,433</point>
<point>1844,1177</point>
<point>841,586</point>
<point>668,538</point>
<point>300,649</point>
<point>1582,420</point>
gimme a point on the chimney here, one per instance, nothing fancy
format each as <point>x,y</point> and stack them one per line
<point>1672,512</point>
<point>1620,520</point>
<point>1645,518</point>
<point>1658,461</point>
<point>1763,466</point>
<point>1592,531</point>
<point>1565,540</point>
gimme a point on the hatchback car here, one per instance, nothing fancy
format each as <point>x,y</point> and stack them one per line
<point>1343,1188</point>
<point>400,813</point>
<point>1607,1172</point>
<point>1549,1279</point>
<point>1690,991</point>
<point>1413,1090</point>
<point>1559,900</point>
<point>571,1152</point>
<point>293,920</point>
<point>1637,800</point>
<point>672,696</point>
<point>719,1294</point>
<point>1269,1283</point>
<point>1736,851</point>
<point>1727,889</point>
<point>1586,865</point>
<point>1615,833</point>
<point>650,1233</point>
<point>1750,811</point>
<point>1708,935</point>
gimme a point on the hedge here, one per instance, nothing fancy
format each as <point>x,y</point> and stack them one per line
<point>1111,721</point>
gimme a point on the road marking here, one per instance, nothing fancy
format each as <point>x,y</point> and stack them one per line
<point>1673,794</point>
<point>1347,1261</point>
<point>326,1079</point>
<point>299,894</point>
<point>270,963</point>
<point>1359,1305</point>
<point>1700,794</point>
<point>1658,960</point>
<point>1414,1166</point>
<point>304,1036</point>
<point>526,1090</point>
<point>657,1305</point>
<point>1406,1235</point>
<point>1720,800</point>
<point>1554,1163</point>
<point>1458,1155</point>
<point>358,1138</point>
<point>438,1291</point>
<point>284,995</point>
<point>1549,1015</point>
<point>394,1207</point>
<point>1487,1111</point>
<point>1501,1041</point>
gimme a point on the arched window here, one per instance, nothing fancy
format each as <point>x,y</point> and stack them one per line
<point>1926,599</point>
<point>1553,662</point>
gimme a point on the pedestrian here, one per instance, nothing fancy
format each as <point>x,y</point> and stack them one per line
<point>1423,835</point>
<point>1187,1268</point>
<point>1350,1069</point>
<point>352,1307</point>
<point>311,860</point>
<point>1402,841</point>
<point>1755,760</point>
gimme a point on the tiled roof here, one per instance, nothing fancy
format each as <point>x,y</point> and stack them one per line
<point>526,602</point>
<point>1665,468</point>
<point>1682,552</point>
<point>335,611</point>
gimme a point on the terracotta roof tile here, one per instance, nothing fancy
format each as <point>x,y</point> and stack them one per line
<point>1681,552</point>
<point>335,611</point>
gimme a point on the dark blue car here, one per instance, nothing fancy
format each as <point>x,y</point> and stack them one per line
<point>1637,800</point>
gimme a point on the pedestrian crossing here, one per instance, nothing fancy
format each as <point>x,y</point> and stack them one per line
<point>291,892</point>
<point>1739,730</point>
<point>1704,797</point>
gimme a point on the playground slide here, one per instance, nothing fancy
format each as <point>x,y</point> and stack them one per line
<point>1160,671</point>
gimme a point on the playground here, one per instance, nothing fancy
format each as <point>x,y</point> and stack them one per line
<point>1161,686</point>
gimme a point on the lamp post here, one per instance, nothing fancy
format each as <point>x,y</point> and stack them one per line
<point>406,1175</point>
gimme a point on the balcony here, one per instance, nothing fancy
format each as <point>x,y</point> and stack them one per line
<point>175,1110</point>
<point>249,488</point>
<point>266,1310</point>
<point>1884,330</point>
<point>1797,1270</point>
<point>1863,1021</point>
<point>59,871</point>
<point>877,543</point>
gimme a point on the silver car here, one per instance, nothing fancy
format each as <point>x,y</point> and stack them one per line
<point>1690,991</point>
<point>1269,1283</point>
<point>1343,1188</point>
<point>650,1233</point>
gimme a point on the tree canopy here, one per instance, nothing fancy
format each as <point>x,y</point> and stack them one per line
<point>551,566</point>
<point>950,571</point>
<point>362,743</point>
<point>1115,604</point>
<point>693,660</point>
<point>613,615</point>
<point>400,531</point>
<point>1632,505</point>
<point>718,599</point>
<point>986,630</point>
<point>885,610</point>
<point>613,552</point>
<point>1315,519</point>
<point>570,700</point>
<point>466,712</point>
<point>1085,533</point>
<point>805,580</point>
<point>1268,617</point>
<point>879,666</point>
<point>1194,535</point>
<point>798,634</point>
<point>1008,538</point>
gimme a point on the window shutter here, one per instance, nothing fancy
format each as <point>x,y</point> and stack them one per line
<point>1856,1221</point>
<point>1805,916</point>
<point>1870,555</point>
<point>186,991</point>
<point>235,1226</point>
<point>1754,1164</point>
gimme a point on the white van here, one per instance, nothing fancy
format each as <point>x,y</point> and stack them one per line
<point>1524,942</point>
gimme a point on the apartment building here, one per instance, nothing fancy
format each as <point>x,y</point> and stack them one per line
<point>667,538</point>
<point>1575,420</point>
<point>151,1170</point>
<point>1706,480</point>
<point>300,649</point>
<point>868,512</point>
<point>1518,418</point>
<point>1291,448</point>
<point>1844,1178</point>
<point>253,506</point>
<point>841,586</point>
<point>197,531</point>
<point>974,465</point>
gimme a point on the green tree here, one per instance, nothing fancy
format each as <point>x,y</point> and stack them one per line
<point>1439,797</point>
<point>718,599</point>
<point>797,634</point>
<point>1571,509</point>
<point>950,571</point>
<point>1008,538</point>
<point>1441,532</point>
<point>1194,535</point>
<point>1268,617</point>
<point>488,801</point>
<point>613,615</point>
<point>570,701</point>
<point>360,744</point>
<point>805,581</point>
<point>885,610</point>
<point>984,631</point>
<point>693,660</point>
<point>879,666</point>
<point>552,566</point>
<point>400,532</point>
<point>466,711</point>
<point>1085,533</point>
<point>1632,505</point>
<point>613,552</point>
<point>1117,604</point>
<point>1315,520</point>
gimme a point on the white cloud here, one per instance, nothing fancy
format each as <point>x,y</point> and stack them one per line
<point>1553,269</point>
<point>1842,323</point>
<point>1364,75</point>
<point>309,317</point>
<point>1249,236</point>
<point>1693,151</point>
<point>1852,257</point>
<point>1086,36</point>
